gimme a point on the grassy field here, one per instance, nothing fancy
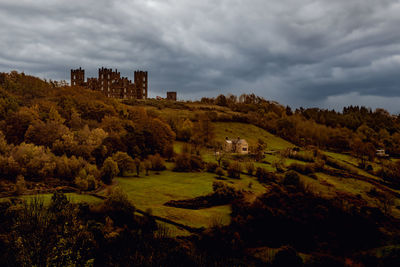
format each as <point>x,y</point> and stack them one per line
<point>151,192</point>
<point>251,133</point>
<point>352,162</point>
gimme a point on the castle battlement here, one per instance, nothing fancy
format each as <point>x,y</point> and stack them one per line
<point>111,84</point>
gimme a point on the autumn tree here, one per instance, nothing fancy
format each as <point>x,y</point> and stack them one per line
<point>185,130</point>
<point>138,166</point>
<point>109,170</point>
<point>362,150</point>
<point>203,132</point>
<point>124,161</point>
<point>18,123</point>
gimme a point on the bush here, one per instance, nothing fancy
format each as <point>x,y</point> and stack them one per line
<point>182,163</point>
<point>157,163</point>
<point>81,183</point>
<point>264,176</point>
<point>9,168</point>
<point>211,167</point>
<point>220,172</point>
<point>124,161</point>
<point>138,166</point>
<point>109,170</point>
<point>250,168</point>
<point>305,168</point>
<point>225,191</point>
<point>196,162</point>
<point>291,179</point>
<point>20,185</point>
<point>92,182</point>
<point>147,166</point>
<point>234,170</point>
<point>186,163</point>
<point>225,164</point>
<point>119,208</point>
<point>69,168</point>
<point>168,152</point>
<point>287,256</point>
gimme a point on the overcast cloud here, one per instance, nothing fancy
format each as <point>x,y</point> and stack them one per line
<point>301,53</point>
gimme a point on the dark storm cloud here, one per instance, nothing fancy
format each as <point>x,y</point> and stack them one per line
<point>311,53</point>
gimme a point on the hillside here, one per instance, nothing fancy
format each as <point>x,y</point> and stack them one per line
<point>154,177</point>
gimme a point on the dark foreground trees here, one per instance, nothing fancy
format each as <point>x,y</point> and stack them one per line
<point>105,234</point>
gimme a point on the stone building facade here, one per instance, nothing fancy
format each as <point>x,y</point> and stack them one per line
<point>237,145</point>
<point>111,84</point>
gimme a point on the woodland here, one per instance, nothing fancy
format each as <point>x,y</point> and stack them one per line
<point>87,180</point>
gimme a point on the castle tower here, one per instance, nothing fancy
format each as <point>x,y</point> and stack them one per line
<point>78,77</point>
<point>105,80</point>
<point>141,84</point>
<point>171,96</point>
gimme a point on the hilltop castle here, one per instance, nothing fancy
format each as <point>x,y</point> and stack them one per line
<point>111,84</point>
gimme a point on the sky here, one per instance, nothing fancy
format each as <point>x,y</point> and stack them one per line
<point>310,53</point>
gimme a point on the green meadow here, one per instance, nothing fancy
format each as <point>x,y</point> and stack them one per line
<point>149,193</point>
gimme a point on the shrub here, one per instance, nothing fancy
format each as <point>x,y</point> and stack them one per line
<point>124,161</point>
<point>250,168</point>
<point>196,162</point>
<point>147,166</point>
<point>211,167</point>
<point>119,208</point>
<point>264,176</point>
<point>81,183</point>
<point>85,181</point>
<point>20,185</point>
<point>186,163</point>
<point>303,168</point>
<point>92,182</point>
<point>157,163</point>
<point>220,172</point>
<point>287,256</point>
<point>9,168</point>
<point>234,170</point>
<point>225,191</point>
<point>58,202</point>
<point>225,164</point>
<point>168,152</point>
<point>182,163</point>
<point>137,165</point>
<point>291,179</point>
<point>69,168</point>
<point>109,170</point>
<point>279,165</point>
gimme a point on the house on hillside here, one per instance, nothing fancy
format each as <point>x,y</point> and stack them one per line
<point>236,146</point>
